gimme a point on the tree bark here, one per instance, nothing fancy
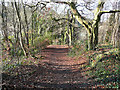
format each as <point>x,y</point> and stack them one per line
<point>115,36</point>
<point>4,26</point>
<point>20,27</point>
<point>26,21</point>
<point>90,26</point>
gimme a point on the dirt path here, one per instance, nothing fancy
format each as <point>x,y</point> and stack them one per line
<point>56,70</point>
<point>63,71</point>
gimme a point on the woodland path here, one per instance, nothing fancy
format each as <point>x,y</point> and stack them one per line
<point>55,70</point>
<point>63,71</point>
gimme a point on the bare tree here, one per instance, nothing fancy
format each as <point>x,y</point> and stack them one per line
<point>26,21</point>
<point>91,26</point>
<point>20,28</point>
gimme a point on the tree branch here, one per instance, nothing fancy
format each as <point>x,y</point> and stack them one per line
<point>61,2</point>
<point>31,6</point>
<point>111,11</point>
<point>97,19</point>
<point>74,25</point>
<point>35,6</point>
<point>97,13</point>
<point>79,18</point>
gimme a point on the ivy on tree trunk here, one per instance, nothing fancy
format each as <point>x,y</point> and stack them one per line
<point>91,26</point>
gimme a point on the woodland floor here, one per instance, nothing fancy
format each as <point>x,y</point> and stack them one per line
<point>55,70</point>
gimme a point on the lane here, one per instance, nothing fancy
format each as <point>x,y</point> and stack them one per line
<point>55,70</point>
<point>63,70</point>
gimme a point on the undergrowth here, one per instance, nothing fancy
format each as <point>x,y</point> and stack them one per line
<point>78,49</point>
<point>13,63</point>
<point>107,70</point>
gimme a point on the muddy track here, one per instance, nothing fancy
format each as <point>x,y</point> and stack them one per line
<point>56,70</point>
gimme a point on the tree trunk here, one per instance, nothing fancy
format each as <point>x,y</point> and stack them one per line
<point>93,38</point>
<point>32,28</point>
<point>14,25</point>
<point>90,44</point>
<point>4,26</point>
<point>26,21</point>
<point>115,38</point>
<point>69,29</point>
<point>20,27</point>
<point>92,28</point>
